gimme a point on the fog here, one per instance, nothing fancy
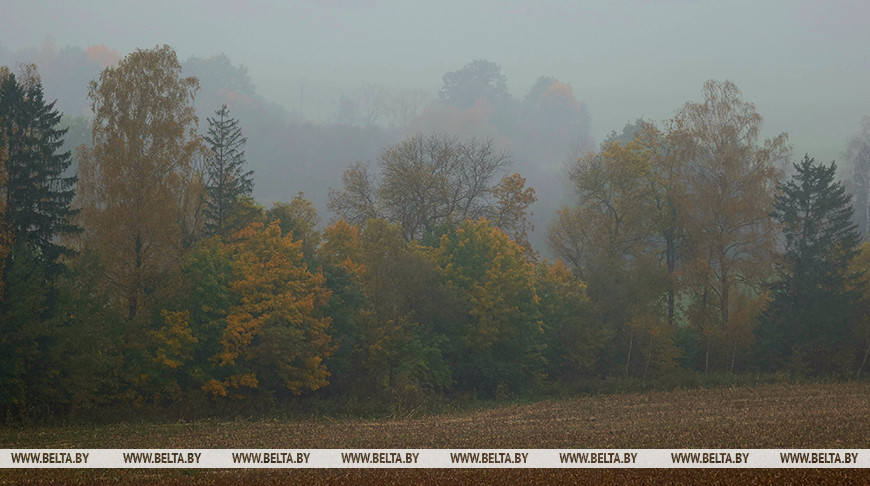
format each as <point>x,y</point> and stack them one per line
<point>805,64</point>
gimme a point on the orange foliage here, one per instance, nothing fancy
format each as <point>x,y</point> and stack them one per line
<point>275,333</point>
<point>103,56</point>
<point>560,95</point>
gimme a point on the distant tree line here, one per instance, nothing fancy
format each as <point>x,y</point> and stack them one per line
<point>152,279</point>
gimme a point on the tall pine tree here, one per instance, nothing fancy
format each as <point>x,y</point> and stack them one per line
<point>226,179</point>
<point>35,194</point>
<point>806,326</point>
<point>38,192</point>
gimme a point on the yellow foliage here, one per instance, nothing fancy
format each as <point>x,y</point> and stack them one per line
<point>511,211</point>
<point>214,388</point>
<point>138,188</point>
<point>276,329</point>
<point>492,270</point>
<point>341,247</point>
<point>174,340</point>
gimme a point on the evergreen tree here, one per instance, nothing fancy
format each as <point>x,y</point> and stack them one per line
<point>226,179</point>
<point>38,192</point>
<point>806,326</point>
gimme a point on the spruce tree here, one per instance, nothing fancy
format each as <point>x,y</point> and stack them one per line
<point>806,325</point>
<point>38,191</point>
<point>36,195</point>
<point>226,180</point>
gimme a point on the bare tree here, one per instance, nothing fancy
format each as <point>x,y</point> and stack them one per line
<point>427,183</point>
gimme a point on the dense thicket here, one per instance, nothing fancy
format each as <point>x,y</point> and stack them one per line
<point>684,249</point>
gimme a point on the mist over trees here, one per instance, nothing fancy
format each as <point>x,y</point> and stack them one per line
<point>857,174</point>
<point>156,281</point>
<point>427,185</point>
<point>541,130</point>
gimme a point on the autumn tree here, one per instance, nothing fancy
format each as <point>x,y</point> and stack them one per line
<point>390,312</point>
<point>730,187</point>
<point>814,296</point>
<point>298,217</point>
<point>576,345</point>
<point>276,337</point>
<point>556,117</point>
<point>356,201</point>
<point>140,190</point>
<point>668,201</point>
<point>613,238</point>
<point>226,180</point>
<point>428,184</point>
<point>402,319</point>
<point>498,343</point>
<point>510,211</point>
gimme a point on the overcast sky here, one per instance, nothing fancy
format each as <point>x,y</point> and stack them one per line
<point>806,64</point>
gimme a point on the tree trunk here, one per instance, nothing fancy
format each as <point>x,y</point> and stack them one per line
<point>648,359</point>
<point>133,304</point>
<point>707,357</point>
<point>733,355</point>
<point>864,361</point>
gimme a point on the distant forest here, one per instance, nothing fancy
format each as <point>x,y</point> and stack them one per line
<point>477,245</point>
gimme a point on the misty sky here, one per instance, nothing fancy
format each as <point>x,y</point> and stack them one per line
<point>806,64</point>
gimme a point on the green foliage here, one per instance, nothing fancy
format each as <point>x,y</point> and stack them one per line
<point>576,344</point>
<point>300,219</point>
<point>477,79</point>
<point>35,213</point>
<point>226,180</point>
<point>401,323</point>
<point>815,295</point>
<point>89,340</point>
<point>499,339</point>
<point>37,192</point>
<point>23,332</point>
<point>429,290</point>
<point>339,255</point>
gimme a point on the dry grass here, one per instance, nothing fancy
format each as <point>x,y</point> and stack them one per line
<point>774,416</point>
